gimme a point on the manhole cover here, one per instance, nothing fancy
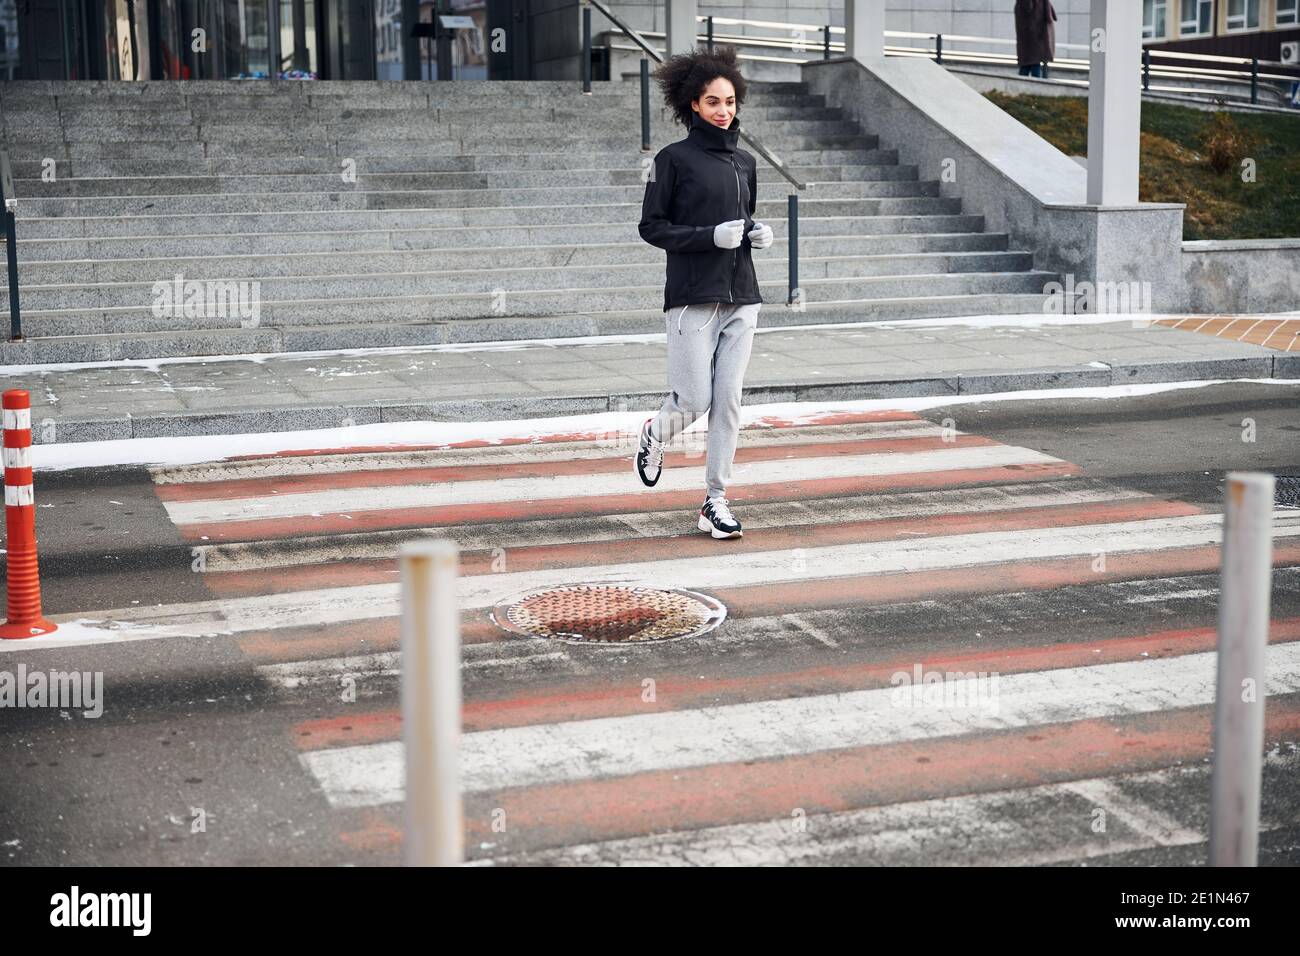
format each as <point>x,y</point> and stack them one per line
<point>604,613</point>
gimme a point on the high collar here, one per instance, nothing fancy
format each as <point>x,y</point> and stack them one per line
<point>708,136</point>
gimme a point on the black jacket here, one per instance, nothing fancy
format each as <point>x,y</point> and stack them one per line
<point>697,183</point>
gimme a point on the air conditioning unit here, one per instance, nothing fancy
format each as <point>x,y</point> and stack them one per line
<point>1291,52</point>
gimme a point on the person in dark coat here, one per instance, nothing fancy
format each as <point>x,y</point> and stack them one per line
<point>1035,36</point>
<point>699,207</point>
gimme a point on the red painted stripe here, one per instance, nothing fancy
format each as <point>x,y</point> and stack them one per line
<point>1038,575</point>
<point>683,690</point>
<point>288,644</point>
<point>580,554</point>
<point>482,512</point>
<point>343,640</point>
<point>759,424</point>
<point>829,781</point>
<point>500,471</point>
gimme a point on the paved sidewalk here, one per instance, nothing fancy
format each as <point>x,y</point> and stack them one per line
<point>930,357</point>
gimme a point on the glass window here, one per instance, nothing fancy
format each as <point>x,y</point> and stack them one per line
<point>8,41</point>
<point>246,40</point>
<point>388,39</point>
<point>298,36</point>
<point>1197,17</point>
<point>1243,14</point>
<point>1153,19</point>
<point>1288,11</point>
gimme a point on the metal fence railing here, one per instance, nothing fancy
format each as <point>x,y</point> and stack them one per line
<point>1250,76</point>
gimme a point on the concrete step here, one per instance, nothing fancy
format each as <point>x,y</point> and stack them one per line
<point>890,234</point>
<point>366,150</point>
<point>629,172</point>
<point>99,167</point>
<point>486,279</point>
<point>647,319</point>
<point>489,302</point>
<point>361,92</point>
<point>282,131</point>
<point>485,217</point>
<point>105,268</point>
<point>602,225</point>
<point>908,196</point>
<point>296,116</point>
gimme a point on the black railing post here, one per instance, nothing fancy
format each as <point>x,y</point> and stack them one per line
<point>11,250</point>
<point>826,42</point>
<point>1146,69</point>
<point>10,200</point>
<point>792,244</point>
<point>1254,79</point>
<point>586,48</point>
<point>938,48</point>
<point>645,104</point>
<point>708,26</point>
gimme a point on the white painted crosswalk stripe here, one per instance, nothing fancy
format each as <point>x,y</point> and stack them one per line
<point>812,513</point>
<point>371,774</point>
<point>367,602</point>
<point>485,491</point>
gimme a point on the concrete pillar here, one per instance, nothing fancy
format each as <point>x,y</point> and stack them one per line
<point>1114,102</point>
<point>864,29</point>
<point>680,26</point>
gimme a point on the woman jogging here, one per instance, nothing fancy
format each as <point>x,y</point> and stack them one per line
<point>699,207</point>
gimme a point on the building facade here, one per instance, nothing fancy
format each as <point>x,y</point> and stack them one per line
<point>509,39</point>
<point>243,39</point>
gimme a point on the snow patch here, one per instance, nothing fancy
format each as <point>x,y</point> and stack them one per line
<point>398,435</point>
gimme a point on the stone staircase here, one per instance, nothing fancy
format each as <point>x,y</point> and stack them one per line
<point>479,211</point>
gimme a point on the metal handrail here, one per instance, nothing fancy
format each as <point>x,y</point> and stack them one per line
<point>1251,76</point>
<point>771,158</point>
<point>11,243</point>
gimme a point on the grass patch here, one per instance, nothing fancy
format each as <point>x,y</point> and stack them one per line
<point>1179,148</point>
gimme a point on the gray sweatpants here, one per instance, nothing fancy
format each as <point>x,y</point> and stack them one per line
<point>708,351</point>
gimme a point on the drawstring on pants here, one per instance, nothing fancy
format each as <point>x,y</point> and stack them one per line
<point>716,307</point>
<point>711,318</point>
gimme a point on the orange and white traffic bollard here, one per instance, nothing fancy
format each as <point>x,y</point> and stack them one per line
<point>24,578</point>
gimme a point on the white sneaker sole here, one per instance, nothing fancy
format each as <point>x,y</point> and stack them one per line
<point>704,524</point>
<point>636,469</point>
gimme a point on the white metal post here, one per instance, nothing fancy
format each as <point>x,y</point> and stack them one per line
<point>431,703</point>
<point>1114,102</point>
<point>680,25</point>
<point>1245,582</point>
<point>864,29</point>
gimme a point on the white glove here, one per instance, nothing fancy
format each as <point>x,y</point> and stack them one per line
<point>728,235</point>
<point>760,237</point>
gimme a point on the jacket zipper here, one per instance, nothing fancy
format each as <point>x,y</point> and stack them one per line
<point>735,253</point>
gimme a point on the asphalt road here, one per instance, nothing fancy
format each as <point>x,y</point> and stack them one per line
<point>272,743</point>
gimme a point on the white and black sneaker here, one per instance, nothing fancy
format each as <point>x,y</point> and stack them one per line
<point>649,458</point>
<point>717,519</point>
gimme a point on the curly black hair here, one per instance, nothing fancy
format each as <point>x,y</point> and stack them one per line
<point>683,78</point>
